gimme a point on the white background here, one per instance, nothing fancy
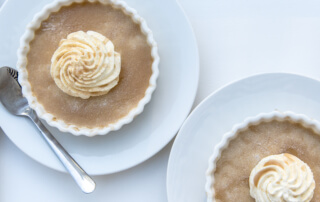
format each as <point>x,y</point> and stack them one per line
<point>236,38</point>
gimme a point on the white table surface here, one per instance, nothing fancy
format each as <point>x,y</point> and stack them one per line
<point>236,39</point>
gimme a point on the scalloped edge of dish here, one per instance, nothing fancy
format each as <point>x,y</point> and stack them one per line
<point>23,50</point>
<point>304,120</point>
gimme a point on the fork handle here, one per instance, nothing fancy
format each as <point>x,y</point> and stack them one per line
<point>83,180</point>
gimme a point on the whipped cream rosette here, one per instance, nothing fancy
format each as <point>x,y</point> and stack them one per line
<point>85,64</point>
<point>282,177</point>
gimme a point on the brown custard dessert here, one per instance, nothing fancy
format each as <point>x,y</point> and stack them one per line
<point>231,177</point>
<point>129,42</point>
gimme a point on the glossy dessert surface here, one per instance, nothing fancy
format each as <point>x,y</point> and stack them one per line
<point>258,141</point>
<point>129,41</point>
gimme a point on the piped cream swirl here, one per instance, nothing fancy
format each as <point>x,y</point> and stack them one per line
<point>85,64</point>
<point>282,177</point>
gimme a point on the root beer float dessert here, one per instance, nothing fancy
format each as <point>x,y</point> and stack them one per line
<point>271,157</point>
<point>88,67</point>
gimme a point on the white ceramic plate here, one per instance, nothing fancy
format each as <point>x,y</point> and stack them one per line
<point>151,130</point>
<point>216,115</point>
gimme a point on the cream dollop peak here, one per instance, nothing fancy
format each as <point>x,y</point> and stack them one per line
<point>282,177</point>
<point>85,64</point>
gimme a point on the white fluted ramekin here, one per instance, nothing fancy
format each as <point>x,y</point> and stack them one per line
<point>26,87</point>
<point>260,118</point>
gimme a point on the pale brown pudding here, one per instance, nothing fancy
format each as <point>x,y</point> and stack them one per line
<point>250,146</point>
<point>130,42</point>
